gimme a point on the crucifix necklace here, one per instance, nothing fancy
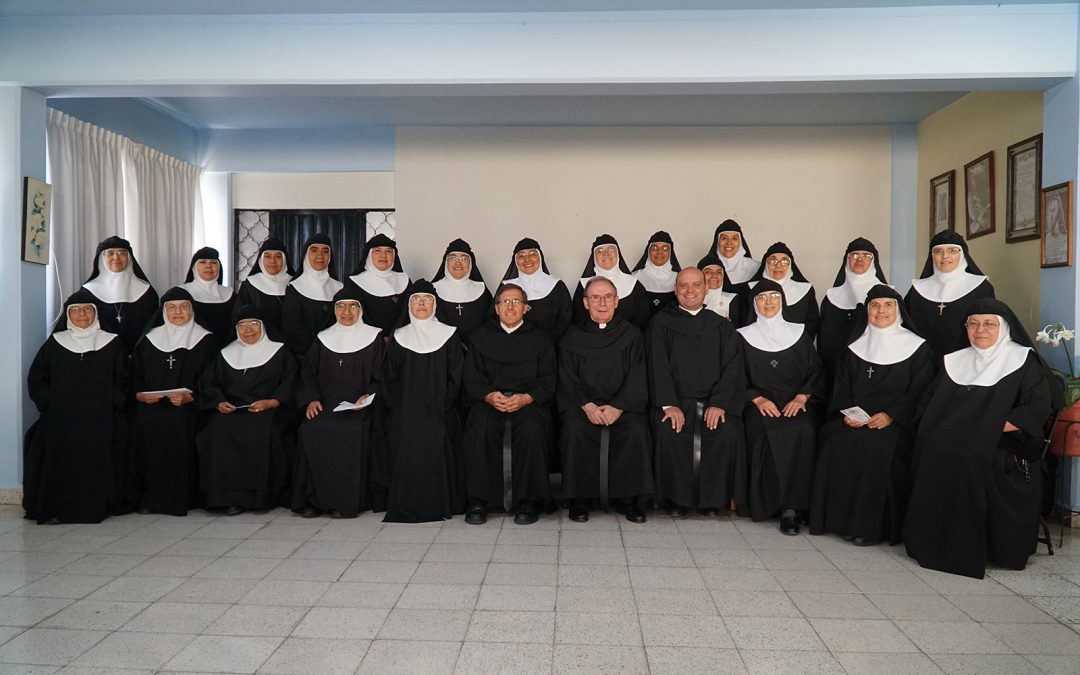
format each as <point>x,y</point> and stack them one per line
<point>119,313</point>
<point>870,373</point>
<point>340,362</point>
<point>459,308</point>
<point>170,361</point>
<point>940,309</point>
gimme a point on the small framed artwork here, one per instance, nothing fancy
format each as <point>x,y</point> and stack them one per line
<point>979,195</point>
<point>1024,180</point>
<point>942,189</point>
<point>1057,239</point>
<point>37,201</point>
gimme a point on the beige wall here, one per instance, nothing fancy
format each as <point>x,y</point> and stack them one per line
<point>814,188</point>
<point>346,190</point>
<point>959,133</point>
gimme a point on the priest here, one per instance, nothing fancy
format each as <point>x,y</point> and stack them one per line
<point>656,271</point>
<point>308,306</point>
<point>730,246</point>
<point>213,302</point>
<point>267,281</point>
<point>859,272</point>
<point>381,282</point>
<point>802,305</point>
<point>462,298</point>
<point>606,260</point>
<point>124,298</point>
<point>549,300</point>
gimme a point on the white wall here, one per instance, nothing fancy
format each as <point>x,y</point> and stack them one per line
<point>346,190</point>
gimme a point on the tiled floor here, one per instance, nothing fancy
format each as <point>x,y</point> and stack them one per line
<point>273,593</point>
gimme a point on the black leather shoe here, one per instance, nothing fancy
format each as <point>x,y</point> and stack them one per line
<point>711,512</point>
<point>476,515</point>
<point>863,541</point>
<point>789,525</point>
<point>579,514</point>
<point>334,513</point>
<point>309,512</point>
<point>53,521</point>
<point>676,511</point>
<point>234,510</point>
<point>527,514</point>
<point>634,513</point>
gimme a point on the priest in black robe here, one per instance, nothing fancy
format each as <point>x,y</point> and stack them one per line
<point>603,395</point>
<point>859,272</point>
<point>463,299</point>
<point>606,260</point>
<point>978,453</point>
<point>721,296</point>
<point>124,297</point>
<point>780,266</point>
<point>165,370</point>
<point>308,306</point>
<point>213,302</point>
<point>938,300</point>
<point>784,390</point>
<point>731,248</point>
<point>549,300</point>
<point>509,382</point>
<point>381,283</point>
<point>656,271</point>
<point>75,465</point>
<point>246,391</point>
<point>267,281</point>
<point>863,471</point>
<point>423,473</point>
<point>696,385</point>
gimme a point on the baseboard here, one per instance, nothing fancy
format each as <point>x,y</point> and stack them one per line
<point>11,496</point>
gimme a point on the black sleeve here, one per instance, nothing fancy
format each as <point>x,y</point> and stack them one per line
<point>842,393</point>
<point>662,390</point>
<point>902,411</point>
<point>1033,401</point>
<point>633,396</point>
<point>39,376</point>
<point>729,391</point>
<point>455,358</point>
<point>211,388</point>
<point>308,389</point>
<point>293,325</point>
<point>542,389</point>
<point>814,382</point>
<point>286,389</point>
<point>572,393</point>
<point>564,314</point>
<point>120,375</point>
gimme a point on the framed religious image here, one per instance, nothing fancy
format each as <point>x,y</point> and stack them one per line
<point>942,189</point>
<point>1057,239</point>
<point>979,195</point>
<point>37,200</point>
<point>1024,180</point>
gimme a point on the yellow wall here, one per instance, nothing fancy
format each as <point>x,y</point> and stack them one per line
<point>957,134</point>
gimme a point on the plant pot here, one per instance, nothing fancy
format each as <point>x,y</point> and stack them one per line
<point>1072,391</point>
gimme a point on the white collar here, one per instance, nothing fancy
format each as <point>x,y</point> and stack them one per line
<point>271,284</point>
<point>986,367</point>
<point>692,312</point>
<point>719,301</point>
<point>657,279</point>
<point>458,290</point>
<point>772,334</point>
<point>508,329</point>
<point>948,286</point>
<point>241,356</point>
<point>740,267</point>
<point>380,283</point>
<point>111,287</point>
<point>794,291</point>
<point>82,340</point>
<point>168,337</point>
<point>348,339</point>
<point>423,336</point>
<point>886,346</point>
<point>316,285</point>
<point>853,291</point>
<point>210,292</point>
<point>536,285</point>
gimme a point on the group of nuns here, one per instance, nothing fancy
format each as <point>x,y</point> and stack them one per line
<point>875,417</point>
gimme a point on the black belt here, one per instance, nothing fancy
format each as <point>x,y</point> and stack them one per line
<point>605,453</point>
<point>507,466</point>
<point>698,418</point>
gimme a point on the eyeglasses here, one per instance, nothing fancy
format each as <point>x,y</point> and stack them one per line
<point>182,306</point>
<point>861,255</point>
<point>527,254</point>
<point>764,297</point>
<point>116,253</point>
<point>985,325</point>
<point>778,262</point>
<point>605,250</point>
<point>421,300</point>
<point>601,298</point>
<point>510,302</point>
<point>458,257</point>
<point>660,247</point>
<point>940,251</point>
<point>253,323</point>
<point>347,306</point>
<point>81,309</point>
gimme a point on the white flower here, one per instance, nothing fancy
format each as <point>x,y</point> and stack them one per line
<point>1043,336</point>
<point>1065,334</point>
<point>1055,341</point>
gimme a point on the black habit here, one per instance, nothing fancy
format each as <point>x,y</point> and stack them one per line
<point>549,309</point>
<point>634,305</point>
<point>269,304</point>
<point>473,308</point>
<point>382,309</point>
<point>125,319</point>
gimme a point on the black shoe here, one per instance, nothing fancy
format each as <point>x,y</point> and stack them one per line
<point>711,512</point>
<point>476,514</point>
<point>579,513</point>
<point>309,512</point>
<point>633,512</point>
<point>142,510</point>
<point>53,521</point>
<point>527,514</point>
<point>789,525</point>
<point>334,513</point>
<point>863,541</point>
<point>676,511</point>
<point>234,510</point>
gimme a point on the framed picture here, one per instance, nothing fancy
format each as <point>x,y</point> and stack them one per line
<point>1057,239</point>
<point>37,200</point>
<point>1024,180</point>
<point>979,195</point>
<point>942,189</point>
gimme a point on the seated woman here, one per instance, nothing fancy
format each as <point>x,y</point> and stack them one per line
<point>74,464</point>
<point>859,272</point>
<point>779,265</point>
<point>124,298</point>
<point>863,469</point>
<point>308,306</point>
<point>334,448</point>
<point>783,388</point>
<point>978,482</point>
<point>721,296</point>
<point>462,299</point>
<point>381,283</point>
<point>549,299</point>
<point>242,449</point>
<point>606,260</point>
<point>267,280</point>
<point>656,271</point>
<point>171,356</point>
<point>213,302</point>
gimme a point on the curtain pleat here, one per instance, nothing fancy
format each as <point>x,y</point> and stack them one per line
<point>345,227</point>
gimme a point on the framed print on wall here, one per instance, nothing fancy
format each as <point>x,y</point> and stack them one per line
<point>979,195</point>
<point>942,189</point>
<point>1024,180</point>
<point>1057,239</point>
<point>37,200</point>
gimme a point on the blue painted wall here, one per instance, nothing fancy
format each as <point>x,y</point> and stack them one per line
<point>135,120</point>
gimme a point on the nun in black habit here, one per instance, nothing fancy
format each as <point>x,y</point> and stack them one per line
<point>381,282</point>
<point>733,251</point>
<point>213,302</point>
<point>863,471</point>
<point>978,483</point>
<point>308,306</point>
<point>75,464</point>
<point>721,296</point>
<point>785,387</point>
<point>267,280</point>
<point>859,272</point>
<point>938,300</point>
<point>656,271</point>
<point>801,302</point>
<point>549,300</point>
<point>606,260</point>
<point>171,357</point>
<point>463,300</point>
<point>422,472</point>
<point>123,295</point>
<point>243,447</point>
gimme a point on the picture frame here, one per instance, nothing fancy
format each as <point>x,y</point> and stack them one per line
<point>979,196</point>
<point>1023,210</point>
<point>37,206</point>
<point>942,201</point>
<point>1056,240</point>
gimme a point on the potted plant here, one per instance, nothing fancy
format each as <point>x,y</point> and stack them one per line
<point>1054,335</point>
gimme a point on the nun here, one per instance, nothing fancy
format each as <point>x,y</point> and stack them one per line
<point>213,302</point>
<point>165,370</point>
<point>938,301</point>
<point>549,300</point>
<point>656,271</point>
<point>733,251</point>
<point>785,384</point>
<point>265,284</point>
<point>423,471</point>
<point>75,469</point>
<point>721,297</point>
<point>462,298</point>
<point>308,305</point>
<point>606,260</point>
<point>977,475</point>
<point>801,301</point>
<point>334,447</point>
<point>381,283</point>
<point>243,447</point>
<point>859,272</point>
<point>863,468</point>
<point>124,298</point>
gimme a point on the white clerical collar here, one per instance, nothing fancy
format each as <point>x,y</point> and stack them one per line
<point>511,329</point>
<point>423,336</point>
<point>986,367</point>
<point>316,285</point>
<point>450,289</point>
<point>348,339</point>
<point>169,337</point>
<point>948,286</point>
<point>771,334</point>
<point>794,291</point>
<point>271,284</point>
<point>719,301</point>
<point>886,346</point>
<point>83,340</point>
<point>380,283</point>
<point>692,312</point>
<point>112,287</point>
<point>740,267</point>
<point>853,291</point>
<point>241,356</point>
<point>657,278</point>
<point>209,292</point>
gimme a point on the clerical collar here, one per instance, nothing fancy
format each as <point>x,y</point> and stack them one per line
<point>692,312</point>
<point>508,329</point>
<point>602,325</point>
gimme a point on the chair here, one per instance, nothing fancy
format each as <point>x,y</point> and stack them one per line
<point>1063,441</point>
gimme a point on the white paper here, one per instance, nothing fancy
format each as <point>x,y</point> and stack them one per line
<point>348,405</point>
<point>166,392</point>
<point>856,414</point>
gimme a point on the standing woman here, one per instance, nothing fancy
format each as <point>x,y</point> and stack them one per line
<point>172,355</point>
<point>720,295</point>
<point>859,272</point>
<point>606,260</point>
<point>265,284</point>
<point>863,469</point>
<point>124,298</point>
<point>213,302</point>
<point>938,301</point>
<point>308,306</point>
<point>801,301</point>
<point>335,448</point>
<point>733,251</point>
<point>462,298</point>
<point>381,283</point>
<point>656,271</point>
<point>423,472</point>
<point>549,300</point>
<point>75,464</point>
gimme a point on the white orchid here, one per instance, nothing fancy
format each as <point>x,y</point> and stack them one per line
<point>1054,334</point>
